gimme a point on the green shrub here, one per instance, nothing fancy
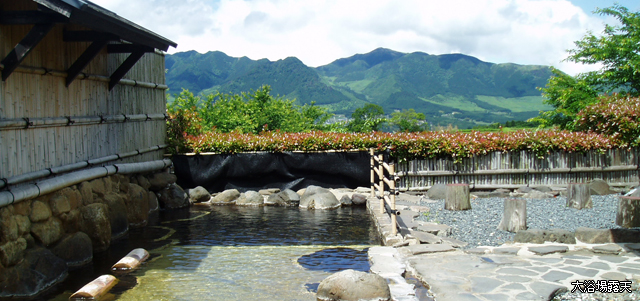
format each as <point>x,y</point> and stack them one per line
<point>615,116</point>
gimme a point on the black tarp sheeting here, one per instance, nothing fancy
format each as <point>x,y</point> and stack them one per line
<point>254,171</point>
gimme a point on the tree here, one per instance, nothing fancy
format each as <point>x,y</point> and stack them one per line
<point>568,95</point>
<point>366,119</point>
<point>409,121</point>
<point>617,50</point>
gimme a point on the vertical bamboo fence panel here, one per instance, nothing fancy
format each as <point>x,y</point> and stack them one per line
<point>619,167</point>
<point>37,91</point>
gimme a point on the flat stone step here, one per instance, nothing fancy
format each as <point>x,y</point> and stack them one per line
<point>506,250</point>
<point>426,238</point>
<point>548,250</point>
<point>435,229</point>
<point>426,249</point>
<point>607,249</point>
<point>454,242</point>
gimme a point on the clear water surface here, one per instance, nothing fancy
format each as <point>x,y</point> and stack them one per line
<point>235,253</point>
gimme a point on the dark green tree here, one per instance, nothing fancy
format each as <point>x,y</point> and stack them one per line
<point>409,121</point>
<point>367,119</point>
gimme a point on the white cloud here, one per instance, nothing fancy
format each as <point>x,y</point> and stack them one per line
<point>320,31</point>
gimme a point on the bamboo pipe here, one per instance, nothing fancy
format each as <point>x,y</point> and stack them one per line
<point>381,186</point>
<point>390,210</point>
<point>23,123</point>
<point>371,154</point>
<point>392,188</point>
<point>74,166</point>
<point>95,289</point>
<point>132,260</point>
<point>100,78</point>
<point>30,191</point>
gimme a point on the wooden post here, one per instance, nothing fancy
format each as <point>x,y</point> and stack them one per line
<point>628,215</point>
<point>579,196</point>
<point>514,216</point>
<point>392,188</point>
<point>457,197</point>
<point>373,177</point>
<point>381,187</point>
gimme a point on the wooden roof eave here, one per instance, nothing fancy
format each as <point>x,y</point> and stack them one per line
<point>106,26</point>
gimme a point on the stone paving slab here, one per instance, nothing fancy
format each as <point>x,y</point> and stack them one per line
<point>464,276</point>
<point>519,271</point>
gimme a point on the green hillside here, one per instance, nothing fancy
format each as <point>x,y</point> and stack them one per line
<point>450,89</point>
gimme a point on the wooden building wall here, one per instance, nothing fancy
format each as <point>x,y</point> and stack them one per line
<point>29,95</point>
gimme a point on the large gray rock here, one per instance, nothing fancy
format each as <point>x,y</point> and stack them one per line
<point>40,211</point>
<point>154,205</point>
<point>95,223</point>
<point>600,187</point>
<point>350,285</point>
<point>536,194</point>
<point>286,197</point>
<point>117,215</point>
<point>250,198</point>
<point>601,236</point>
<point>59,204</point>
<point>137,206</point>
<point>39,271</point>
<point>12,252</point>
<point>8,226</point>
<point>498,193</point>
<point>47,232</point>
<point>227,197</point>
<point>161,180</point>
<point>198,195</point>
<point>358,199</point>
<point>74,249</point>
<point>142,181</point>
<point>437,192</point>
<point>345,200</point>
<point>173,197</point>
<point>539,236</point>
<point>71,221</point>
<point>318,198</point>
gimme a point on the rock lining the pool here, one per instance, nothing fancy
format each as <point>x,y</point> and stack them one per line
<point>312,197</point>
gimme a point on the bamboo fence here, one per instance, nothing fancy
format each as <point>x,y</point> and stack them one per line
<point>619,167</point>
<point>99,123</point>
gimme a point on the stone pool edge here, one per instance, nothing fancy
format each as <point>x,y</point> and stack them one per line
<point>385,260</point>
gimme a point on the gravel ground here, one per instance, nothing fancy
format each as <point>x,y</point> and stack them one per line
<point>478,226</point>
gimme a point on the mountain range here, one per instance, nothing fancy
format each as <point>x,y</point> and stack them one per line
<point>454,89</point>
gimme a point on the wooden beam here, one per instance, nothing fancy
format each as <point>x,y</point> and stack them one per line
<point>87,36</point>
<point>25,17</point>
<point>128,48</point>
<point>84,60</point>
<point>15,57</point>
<point>125,67</point>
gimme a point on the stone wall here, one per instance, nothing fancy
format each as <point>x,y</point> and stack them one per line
<point>40,239</point>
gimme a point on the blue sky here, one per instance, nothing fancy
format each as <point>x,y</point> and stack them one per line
<point>320,31</point>
<point>589,5</point>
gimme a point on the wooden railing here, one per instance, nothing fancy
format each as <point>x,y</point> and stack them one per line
<point>387,203</point>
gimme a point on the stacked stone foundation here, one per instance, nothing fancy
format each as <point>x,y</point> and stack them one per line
<point>42,238</point>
